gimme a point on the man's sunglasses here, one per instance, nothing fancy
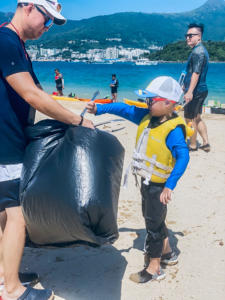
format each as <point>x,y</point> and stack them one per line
<point>190,35</point>
<point>48,21</point>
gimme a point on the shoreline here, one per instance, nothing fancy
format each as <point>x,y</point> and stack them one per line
<point>119,62</point>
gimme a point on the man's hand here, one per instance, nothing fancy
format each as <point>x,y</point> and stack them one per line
<point>91,108</point>
<point>165,196</point>
<point>188,97</point>
<point>87,123</point>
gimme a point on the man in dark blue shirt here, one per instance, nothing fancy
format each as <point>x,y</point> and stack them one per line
<point>19,92</point>
<point>195,86</point>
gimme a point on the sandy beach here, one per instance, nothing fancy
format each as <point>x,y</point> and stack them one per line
<point>197,232</point>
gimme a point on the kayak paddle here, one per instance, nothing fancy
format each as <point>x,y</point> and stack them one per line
<point>92,99</point>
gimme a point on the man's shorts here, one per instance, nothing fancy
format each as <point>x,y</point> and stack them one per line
<point>114,90</point>
<point>9,186</point>
<point>194,107</point>
<point>9,194</point>
<point>59,88</point>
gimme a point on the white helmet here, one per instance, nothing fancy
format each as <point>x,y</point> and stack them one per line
<point>164,87</point>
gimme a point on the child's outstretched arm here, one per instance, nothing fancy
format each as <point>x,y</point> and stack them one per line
<point>129,112</point>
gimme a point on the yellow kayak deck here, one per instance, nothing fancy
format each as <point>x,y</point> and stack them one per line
<point>136,103</point>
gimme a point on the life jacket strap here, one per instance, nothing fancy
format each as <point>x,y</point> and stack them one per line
<point>143,158</point>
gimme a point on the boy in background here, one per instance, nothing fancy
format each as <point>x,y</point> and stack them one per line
<point>114,87</point>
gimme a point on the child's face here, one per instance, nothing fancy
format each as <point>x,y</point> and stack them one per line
<point>161,108</point>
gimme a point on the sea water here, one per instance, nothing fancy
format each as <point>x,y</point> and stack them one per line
<point>84,79</point>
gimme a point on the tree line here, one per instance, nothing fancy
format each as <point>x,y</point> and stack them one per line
<point>179,52</point>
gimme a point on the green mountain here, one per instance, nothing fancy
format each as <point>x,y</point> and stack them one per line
<point>139,30</point>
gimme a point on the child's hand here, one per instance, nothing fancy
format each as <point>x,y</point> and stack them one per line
<point>165,196</point>
<point>91,108</point>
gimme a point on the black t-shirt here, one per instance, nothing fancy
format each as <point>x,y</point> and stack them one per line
<point>197,62</point>
<point>14,111</point>
<point>114,88</point>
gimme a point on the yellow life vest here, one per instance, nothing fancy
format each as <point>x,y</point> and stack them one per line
<point>152,159</point>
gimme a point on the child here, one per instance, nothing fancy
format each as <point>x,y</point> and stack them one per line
<point>160,157</point>
<point>114,87</point>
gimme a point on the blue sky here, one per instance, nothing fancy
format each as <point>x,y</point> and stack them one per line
<point>79,9</point>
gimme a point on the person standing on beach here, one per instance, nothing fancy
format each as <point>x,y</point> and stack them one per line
<point>160,158</point>
<point>59,81</point>
<point>19,97</point>
<point>114,87</point>
<point>195,87</point>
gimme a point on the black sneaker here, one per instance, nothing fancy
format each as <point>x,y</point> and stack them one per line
<point>143,276</point>
<point>169,259</point>
<point>28,278</point>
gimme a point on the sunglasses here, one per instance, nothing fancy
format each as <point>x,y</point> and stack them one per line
<point>150,101</point>
<point>190,35</point>
<point>48,21</point>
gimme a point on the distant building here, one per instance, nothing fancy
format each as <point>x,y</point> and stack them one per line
<point>154,47</point>
<point>113,39</point>
<point>112,53</point>
<point>33,53</point>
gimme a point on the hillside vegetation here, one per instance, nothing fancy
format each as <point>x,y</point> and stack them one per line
<point>179,51</point>
<point>138,30</point>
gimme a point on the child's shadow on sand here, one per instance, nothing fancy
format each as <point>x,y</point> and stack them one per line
<point>84,272</point>
<point>138,243</point>
<point>79,273</point>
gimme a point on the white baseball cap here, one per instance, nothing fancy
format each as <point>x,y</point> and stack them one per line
<point>51,6</point>
<point>164,87</point>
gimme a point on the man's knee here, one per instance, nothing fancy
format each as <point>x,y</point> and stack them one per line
<point>197,119</point>
<point>3,219</point>
<point>15,215</point>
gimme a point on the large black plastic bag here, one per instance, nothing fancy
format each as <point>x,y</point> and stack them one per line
<point>70,184</point>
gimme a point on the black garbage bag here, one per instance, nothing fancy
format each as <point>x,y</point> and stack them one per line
<point>70,184</point>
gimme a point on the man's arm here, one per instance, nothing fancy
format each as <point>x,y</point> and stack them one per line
<point>178,147</point>
<point>198,60</point>
<point>24,85</point>
<point>194,81</point>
